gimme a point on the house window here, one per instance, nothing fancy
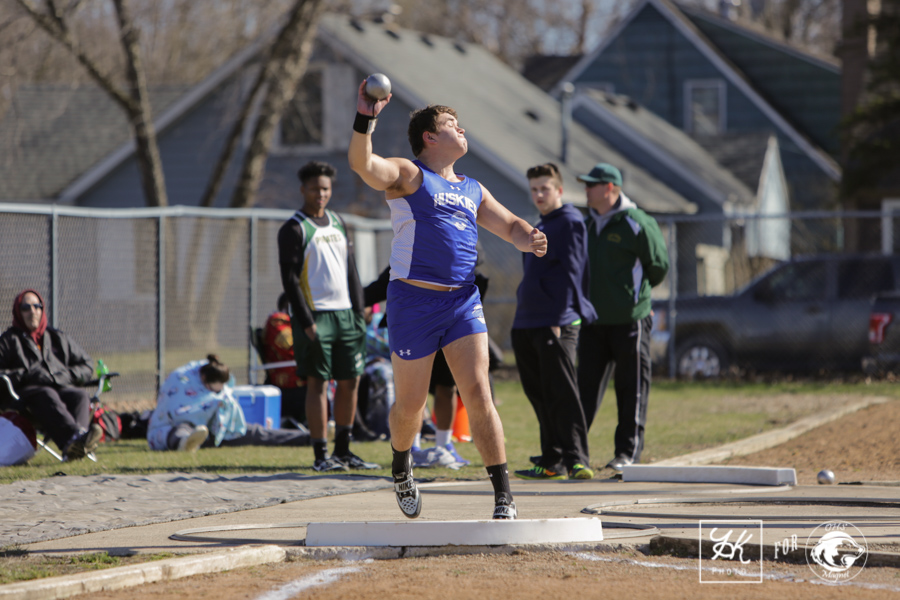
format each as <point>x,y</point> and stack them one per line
<point>303,119</point>
<point>704,106</point>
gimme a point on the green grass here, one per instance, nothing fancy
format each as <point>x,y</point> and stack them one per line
<point>17,565</point>
<point>682,418</point>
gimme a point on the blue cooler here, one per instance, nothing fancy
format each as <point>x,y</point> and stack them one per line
<point>261,404</point>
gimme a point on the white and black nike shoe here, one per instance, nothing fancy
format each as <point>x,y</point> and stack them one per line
<point>505,509</point>
<point>408,497</point>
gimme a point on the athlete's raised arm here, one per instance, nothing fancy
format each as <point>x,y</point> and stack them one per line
<point>395,175</point>
<point>497,219</point>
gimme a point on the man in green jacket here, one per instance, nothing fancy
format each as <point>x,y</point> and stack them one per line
<point>627,257</point>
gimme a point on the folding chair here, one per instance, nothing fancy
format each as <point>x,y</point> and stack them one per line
<point>15,403</point>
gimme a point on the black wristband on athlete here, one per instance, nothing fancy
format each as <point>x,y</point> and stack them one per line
<point>364,124</point>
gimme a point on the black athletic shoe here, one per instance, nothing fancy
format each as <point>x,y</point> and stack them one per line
<point>352,461</point>
<point>428,431</point>
<point>505,509</point>
<point>329,464</point>
<point>408,497</point>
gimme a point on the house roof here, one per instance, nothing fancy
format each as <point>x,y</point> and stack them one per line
<point>675,150</point>
<point>802,86</point>
<point>53,134</point>
<point>743,154</point>
<point>511,123</point>
<point>671,12</point>
<point>544,70</point>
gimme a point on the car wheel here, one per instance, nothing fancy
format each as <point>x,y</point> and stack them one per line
<point>701,358</point>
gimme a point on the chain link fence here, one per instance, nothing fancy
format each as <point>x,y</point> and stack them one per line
<point>789,293</point>
<point>148,290</point>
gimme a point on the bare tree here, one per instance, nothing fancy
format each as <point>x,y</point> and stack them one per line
<point>513,30</point>
<point>277,82</point>
<point>131,98</point>
<point>815,24</point>
<point>124,79</point>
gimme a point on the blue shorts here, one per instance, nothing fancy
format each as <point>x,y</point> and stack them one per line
<point>422,321</point>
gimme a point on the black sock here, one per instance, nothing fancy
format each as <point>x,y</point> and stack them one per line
<point>500,480</point>
<point>320,448</point>
<point>400,462</point>
<point>342,440</point>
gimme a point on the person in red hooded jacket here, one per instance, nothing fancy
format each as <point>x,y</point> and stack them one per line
<point>46,367</point>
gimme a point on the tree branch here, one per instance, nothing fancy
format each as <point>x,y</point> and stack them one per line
<point>55,26</point>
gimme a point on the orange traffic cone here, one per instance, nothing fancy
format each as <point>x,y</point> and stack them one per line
<point>461,432</point>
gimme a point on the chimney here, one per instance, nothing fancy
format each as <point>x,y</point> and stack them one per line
<point>565,107</point>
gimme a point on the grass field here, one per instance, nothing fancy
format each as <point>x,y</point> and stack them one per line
<point>683,417</point>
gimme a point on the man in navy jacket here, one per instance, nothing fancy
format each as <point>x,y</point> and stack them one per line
<point>552,303</point>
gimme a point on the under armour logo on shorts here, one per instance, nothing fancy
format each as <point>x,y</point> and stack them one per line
<point>404,352</point>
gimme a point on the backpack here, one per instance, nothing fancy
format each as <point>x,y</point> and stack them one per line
<point>378,378</point>
<point>110,422</point>
<point>134,424</point>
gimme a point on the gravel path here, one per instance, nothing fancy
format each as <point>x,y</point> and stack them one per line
<point>48,509</point>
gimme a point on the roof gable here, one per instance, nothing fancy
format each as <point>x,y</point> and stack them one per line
<point>803,87</point>
<point>668,11</point>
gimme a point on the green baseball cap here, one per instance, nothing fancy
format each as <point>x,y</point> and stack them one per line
<point>603,173</point>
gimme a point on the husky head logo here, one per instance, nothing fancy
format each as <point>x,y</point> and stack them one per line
<point>460,221</point>
<point>836,552</point>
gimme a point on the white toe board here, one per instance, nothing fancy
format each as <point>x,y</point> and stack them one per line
<point>454,533</point>
<point>710,474</point>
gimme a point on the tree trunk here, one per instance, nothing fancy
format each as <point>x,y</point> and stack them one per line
<point>139,114</point>
<point>286,66</point>
<point>854,54</point>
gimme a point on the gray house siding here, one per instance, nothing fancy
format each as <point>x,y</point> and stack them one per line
<point>650,61</point>
<point>189,149</point>
<point>806,93</point>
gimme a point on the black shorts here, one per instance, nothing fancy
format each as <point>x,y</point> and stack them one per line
<point>440,372</point>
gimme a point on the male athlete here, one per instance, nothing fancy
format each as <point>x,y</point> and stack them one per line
<point>432,299</point>
<point>319,276</point>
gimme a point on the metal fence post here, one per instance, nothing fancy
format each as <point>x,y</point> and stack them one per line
<point>160,302</point>
<point>254,224</point>
<point>54,268</point>
<point>673,294</point>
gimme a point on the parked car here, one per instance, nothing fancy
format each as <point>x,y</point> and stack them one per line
<point>809,313</point>
<point>884,334</point>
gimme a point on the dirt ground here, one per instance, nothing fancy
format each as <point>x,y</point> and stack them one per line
<point>522,575</point>
<point>860,447</point>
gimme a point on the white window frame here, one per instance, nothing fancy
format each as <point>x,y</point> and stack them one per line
<point>279,147</point>
<point>890,208</point>
<point>338,110</point>
<point>692,84</point>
